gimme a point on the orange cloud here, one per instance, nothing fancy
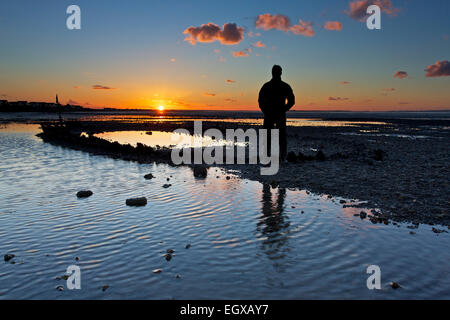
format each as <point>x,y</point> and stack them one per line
<point>207,94</point>
<point>401,74</point>
<point>333,26</point>
<point>344,82</point>
<point>100,87</point>
<point>358,8</point>
<point>230,34</point>
<point>230,81</point>
<point>439,69</point>
<point>281,22</point>
<point>242,53</point>
<point>389,89</point>
<point>259,44</point>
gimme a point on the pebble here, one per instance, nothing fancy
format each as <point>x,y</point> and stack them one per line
<point>149,176</point>
<point>362,214</point>
<point>60,288</point>
<point>84,193</point>
<point>167,185</point>
<point>157,271</point>
<point>136,202</point>
<point>105,287</point>
<point>8,257</point>
<point>188,246</point>
<point>395,285</point>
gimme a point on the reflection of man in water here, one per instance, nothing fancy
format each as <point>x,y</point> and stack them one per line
<point>273,223</point>
<point>275,99</point>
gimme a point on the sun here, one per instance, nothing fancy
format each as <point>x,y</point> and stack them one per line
<point>161,108</point>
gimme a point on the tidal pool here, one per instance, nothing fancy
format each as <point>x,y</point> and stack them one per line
<point>247,241</point>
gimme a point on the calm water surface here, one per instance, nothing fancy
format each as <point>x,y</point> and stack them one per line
<point>247,240</point>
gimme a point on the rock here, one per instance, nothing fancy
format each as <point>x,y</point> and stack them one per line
<point>168,179</point>
<point>8,257</point>
<point>65,277</point>
<point>168,256</point>
<point>167,185</point>
<point>228,177</point>
<point>320,156</point>
<point>291,157</point>
<point>149,176</point>
<point>60,288</point>
<point>362,214</point>
<point>84,193</point>
<point>105,287</point>
<point>274,184</point>
<point>438,230</point>
<point>77,259</point>
<point>170,251</point>
<point>412,232</point>
<point>342,201</point>
<point>378,155</point>
<point>157,271</point>
<point>200,171</point>
<point>395,285</point>
<point>136,202</point>
<point>188,246</point>
<point>178,276</point>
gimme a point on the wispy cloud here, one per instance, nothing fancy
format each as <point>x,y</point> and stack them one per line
<point>439,69</point>
<point>337,99</point>
<point>242,53</point>
<point>209,94</point>
<point>333,26</point>
<point>229,34</point>
<point>268,21</point>
<point>344,82</point>
<point>358,8</point>
<point>389,89</point>
<point>230,81</point>
<point>401,75</point>
<point>100,87</point>
<point>259,44</point>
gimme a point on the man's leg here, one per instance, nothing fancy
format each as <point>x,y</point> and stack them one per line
<point>281,125</point>
<point>268,124</point>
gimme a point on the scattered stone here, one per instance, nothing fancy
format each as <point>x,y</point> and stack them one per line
<point>77,259</point>
<point>200,171</point>
<point>228,177</point>
<point>362,214</point>
<point>178,276</point>
<point>8,257</point>
<point>149,176</point>
<point>65,277</point>
<point>342,201</point>
<point>105,287</point>
<point>291,157</point>
<point>395,285</point>
<point>157,271</point>
<point>60,288</point>
<point>136,202</point>
<point>274,184</point>
<point>438,230</point>
<point>170,251</point>
<point>168,256</point>
<point>320,156</point>
<point>412,232</point>
<point>167,185</point>
<point>84,193</point>
<point>188,246</point>
<point>168,179</point>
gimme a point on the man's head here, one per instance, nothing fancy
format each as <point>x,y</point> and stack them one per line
<point>276,71</point>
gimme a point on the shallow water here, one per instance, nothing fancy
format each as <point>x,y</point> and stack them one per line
<point>248,241</point>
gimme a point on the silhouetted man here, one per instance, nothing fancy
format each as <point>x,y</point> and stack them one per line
<point>275,99</point>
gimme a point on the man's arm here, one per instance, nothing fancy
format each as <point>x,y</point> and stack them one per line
<point>290,98</point>
<point>262,100</point>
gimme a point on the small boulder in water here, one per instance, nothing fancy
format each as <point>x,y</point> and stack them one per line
<point>363,215</point>
<point>136,202</point>
<point>167,185</point>
<point>84,193</point>
<point>157,271</point>
<point>8,257</point>
<point>105,287</point>
<point>200,171</point>
<point>149,176</point>
<point>395,285</point>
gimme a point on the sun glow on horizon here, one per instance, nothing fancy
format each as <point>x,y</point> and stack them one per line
<point>161,108</point>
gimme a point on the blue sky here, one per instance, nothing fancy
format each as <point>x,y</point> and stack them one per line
<point>137,49</point>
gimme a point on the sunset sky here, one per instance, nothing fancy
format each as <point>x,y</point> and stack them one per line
<point>217,54</point>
